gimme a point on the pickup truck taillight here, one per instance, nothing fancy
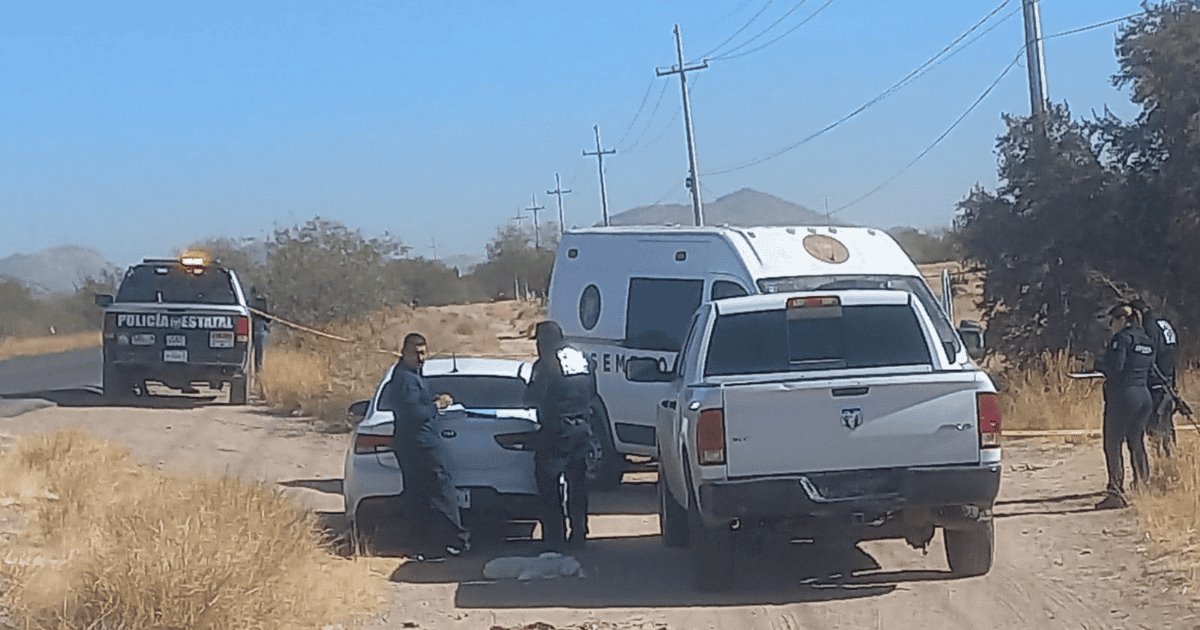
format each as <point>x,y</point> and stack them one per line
<point>370,444</point>
<point>110,325</point>
<point>710,437</point>
<point>241,328</point>
<point>987,409</point>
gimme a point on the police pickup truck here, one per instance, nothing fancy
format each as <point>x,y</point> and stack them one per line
<point>180,322</point>
<point>830,417</point>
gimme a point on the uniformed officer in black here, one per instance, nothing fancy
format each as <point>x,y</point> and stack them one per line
<point>419,450</point>
<point>1126,369</point>
<point>1161,428</point>
<point>562,389</point>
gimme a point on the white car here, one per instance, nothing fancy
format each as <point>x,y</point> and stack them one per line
<point>485,430</point>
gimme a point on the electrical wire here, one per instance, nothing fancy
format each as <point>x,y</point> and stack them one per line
<point>777,22</point>
<point>920,156</point>
<point>940,57</point>
<point>640,109</point>
<point>730,55</point>
<point>1092,27</point>
<point>745,26</point>
<point>649,119</point>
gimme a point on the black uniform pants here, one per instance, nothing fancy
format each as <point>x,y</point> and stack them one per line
<point>1162,423</point>
<point>563,497</point>
<point>432,498</point>
<point>1126,414</point>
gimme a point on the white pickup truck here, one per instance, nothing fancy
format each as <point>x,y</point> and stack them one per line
<point>831,417</point>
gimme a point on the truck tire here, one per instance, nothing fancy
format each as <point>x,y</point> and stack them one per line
<point>970,551</point>
<point>712,553</point>
<point>609,465</point>
<point>672,518</point>
<point>239,390</point>
<point>116,385</point>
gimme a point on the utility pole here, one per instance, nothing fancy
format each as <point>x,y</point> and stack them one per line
<point>433,246</point>
<point>559,192</point>
<point>693,170</point>
<point>599,153</point>
<point>1035,62</point>
<point>519,219</point>
<point>534,209</point>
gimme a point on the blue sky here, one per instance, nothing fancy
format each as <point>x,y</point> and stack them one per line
<point>134,127</point>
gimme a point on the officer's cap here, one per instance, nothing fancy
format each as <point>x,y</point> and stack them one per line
<point>548,330</point>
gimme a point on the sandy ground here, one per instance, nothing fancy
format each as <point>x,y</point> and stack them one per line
<point>1059,564</point>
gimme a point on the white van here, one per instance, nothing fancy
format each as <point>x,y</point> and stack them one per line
<point>624,292</point>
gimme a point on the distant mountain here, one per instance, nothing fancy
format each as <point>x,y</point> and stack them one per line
<point>746,207</point>
<point>56,270</point>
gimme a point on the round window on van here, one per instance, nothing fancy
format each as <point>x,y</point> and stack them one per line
<point>589,307</point>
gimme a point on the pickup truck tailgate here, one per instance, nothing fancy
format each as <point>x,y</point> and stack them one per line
<point>842,424</point>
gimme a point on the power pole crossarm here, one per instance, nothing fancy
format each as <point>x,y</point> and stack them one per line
<point>599,154</point>
<point>559,192</point>
<point>693,169</point>
<point>534,209</point>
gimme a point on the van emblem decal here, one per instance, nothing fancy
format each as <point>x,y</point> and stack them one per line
<point>852,418</point>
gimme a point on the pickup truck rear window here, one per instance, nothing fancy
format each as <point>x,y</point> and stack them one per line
<point>175,284</point>
<point>768,342</point>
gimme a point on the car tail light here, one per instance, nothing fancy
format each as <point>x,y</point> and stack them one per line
<point>365,444</point>
<point>110,325</point>
<point>241,328</point>
<point>710,437</point>
<point>987,408</point>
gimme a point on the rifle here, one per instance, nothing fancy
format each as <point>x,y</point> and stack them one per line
<point>1173,397</point>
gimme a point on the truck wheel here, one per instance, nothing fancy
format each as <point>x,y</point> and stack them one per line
<point>363,536</point>
<point>239,390</point>
<point>608,466</point>
<point>712,553</point>
<point>970,551</point>
<point>672,517</point>
<point>116,385</point>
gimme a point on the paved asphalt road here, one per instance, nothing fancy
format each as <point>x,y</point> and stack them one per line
<point>29,382</point>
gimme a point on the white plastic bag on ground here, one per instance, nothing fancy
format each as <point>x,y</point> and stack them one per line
<point>544,567</point>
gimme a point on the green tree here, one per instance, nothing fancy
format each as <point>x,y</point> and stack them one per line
<point>512,260</point>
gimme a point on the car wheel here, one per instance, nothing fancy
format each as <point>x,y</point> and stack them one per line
<point>116,385</point>
<point>606,466</point>
<point>970,551</point>
<point>712,553</point>
<point>672,518</point>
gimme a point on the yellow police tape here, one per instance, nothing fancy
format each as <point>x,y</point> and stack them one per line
<point>338,338</point>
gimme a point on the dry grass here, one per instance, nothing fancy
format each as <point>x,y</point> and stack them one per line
<point>319,378</point>
<point>11,347</point>
<point>106,543</point>
<point>1049,399</point>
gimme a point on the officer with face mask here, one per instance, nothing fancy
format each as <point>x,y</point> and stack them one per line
<point>1162,426</point>
<point>562,389</point>
<point>1127,406</point>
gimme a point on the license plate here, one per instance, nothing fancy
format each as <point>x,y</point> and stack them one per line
<point>176,341</point>
<point>464,498</point>
<point>175,356</point>
<point>220,339</point>
<point>142,340</point>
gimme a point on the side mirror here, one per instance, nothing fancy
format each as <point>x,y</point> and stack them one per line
<point>103,300</point>
<point>358,410</point>
<point>645,370</point>
<point>973,338</point>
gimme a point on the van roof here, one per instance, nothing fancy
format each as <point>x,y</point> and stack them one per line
<point>779,252</point>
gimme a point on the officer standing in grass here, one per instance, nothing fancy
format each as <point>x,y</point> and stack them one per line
<point>427,483</point>
<point>1127,363</point>
<point>1162,426</point>
<point>562,389</point>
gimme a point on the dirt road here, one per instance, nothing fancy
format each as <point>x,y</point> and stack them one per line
<point>1059,564</point>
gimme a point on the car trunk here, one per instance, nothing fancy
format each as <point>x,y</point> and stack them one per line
<point>798,426</point>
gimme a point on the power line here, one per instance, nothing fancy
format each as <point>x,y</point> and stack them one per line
<point>640,109</point>
<point>941,56</point>
<point>667,126</point>
<point>745,26</point>
<point>730,55</point>
<point>649,119</point>
<point>1092,27</point>
<point>958,121</point>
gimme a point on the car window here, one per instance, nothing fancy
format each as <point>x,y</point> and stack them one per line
<point>913,285</point>
<point>691,350</point>
<point>855,337</point>
<point>471,391</point>
<point>658,312</point>
<point>177,284</point>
